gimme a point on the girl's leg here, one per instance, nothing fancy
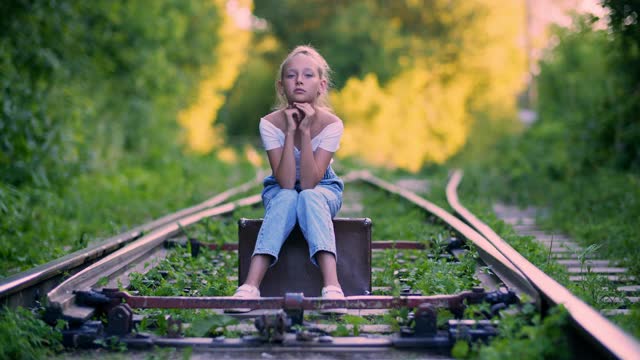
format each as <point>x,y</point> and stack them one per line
<point>327,263</point>
<point>257,269</point>
<point>316,209</point>
<point>279,221</point>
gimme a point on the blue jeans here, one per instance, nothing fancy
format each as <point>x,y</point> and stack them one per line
<point>313,209</point>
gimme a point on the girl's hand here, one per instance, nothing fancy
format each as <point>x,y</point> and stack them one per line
<point>309,115</point>
<point>293,116</point>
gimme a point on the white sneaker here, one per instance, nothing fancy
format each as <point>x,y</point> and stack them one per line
<point>247,292</point>
<point>334,293</point>
<point>244,292</point>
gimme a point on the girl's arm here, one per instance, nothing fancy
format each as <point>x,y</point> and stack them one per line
<point>283,163</point>
<point>282,160</point>
<point>312,166</point>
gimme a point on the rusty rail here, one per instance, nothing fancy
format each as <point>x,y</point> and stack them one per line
<point>595,328</point>
<point>299,301</point>
<point>75,299</point>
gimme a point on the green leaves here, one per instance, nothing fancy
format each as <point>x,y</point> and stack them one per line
<point>208,325</point>
<point>96,206</point>
<point>588,93</point>
<point>24,336</point>
<point>83,84</point>
<point>526,336</point>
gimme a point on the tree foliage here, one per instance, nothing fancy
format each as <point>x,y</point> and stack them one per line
<point>84,83</point>
<point>624,22</point>
<point>253,94</point>
<point>589,100</point>
<point>199,120</point>
<point>624,127</point>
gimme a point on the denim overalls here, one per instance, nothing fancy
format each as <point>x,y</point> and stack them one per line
<point>313,209</point>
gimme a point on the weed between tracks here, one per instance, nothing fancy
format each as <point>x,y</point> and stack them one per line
<point>429,276</point>
<point>24,336</point>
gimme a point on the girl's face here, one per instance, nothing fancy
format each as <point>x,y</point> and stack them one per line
<point>301,81</point>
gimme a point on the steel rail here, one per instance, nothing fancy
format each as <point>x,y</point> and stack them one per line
<point>610,339</point>
<point>298,301</point>
<point>498,263</point>
<point>63,295</point>
<point>26,287</point>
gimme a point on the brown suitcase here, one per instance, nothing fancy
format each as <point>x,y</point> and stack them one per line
<point>294,272</point>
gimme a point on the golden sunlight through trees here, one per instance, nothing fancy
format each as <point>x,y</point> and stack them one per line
<point>499,62</point>
<point>412,121</point>
<point>425,113</point>
<point>227,155</point>
<point>410,92</point>
<point>201,136</point>
<point>253,156</point>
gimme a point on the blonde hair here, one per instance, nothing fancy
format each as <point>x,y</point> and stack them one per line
<point>324,71</point>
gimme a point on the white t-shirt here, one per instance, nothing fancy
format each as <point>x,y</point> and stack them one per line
<point>328,139</point>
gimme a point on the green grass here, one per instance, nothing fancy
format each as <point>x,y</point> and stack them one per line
<point>601,209</point>
<point>525,335</point>
<point>395,218</point>
<point>430,276</point>
<point>52,222</point>
<point>24,336</point>
<point>181,274</point>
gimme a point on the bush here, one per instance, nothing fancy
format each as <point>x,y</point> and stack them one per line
<point>585,97</point>
<point>253,94</point>
<point>24,336</point>
<point>83,83</point>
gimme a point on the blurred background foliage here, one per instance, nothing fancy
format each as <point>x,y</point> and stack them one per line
<point>230,56</point>
<point>588,103</point>
<point>581,158</point>
<point>409,75</point>
<point>90,88</point>
<point>86,83</point>
<point>90,96</point>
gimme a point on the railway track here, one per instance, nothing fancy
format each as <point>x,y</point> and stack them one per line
<point>580,263</point>
<point>95,282</point>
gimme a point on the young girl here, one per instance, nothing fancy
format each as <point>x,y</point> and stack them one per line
<point>300,138</point>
